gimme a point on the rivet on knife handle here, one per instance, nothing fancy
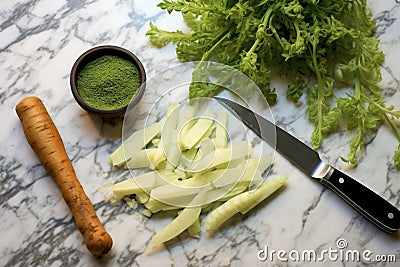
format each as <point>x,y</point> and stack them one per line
<point>365,201</point>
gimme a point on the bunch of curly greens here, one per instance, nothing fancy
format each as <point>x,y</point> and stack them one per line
<point>328,43</point>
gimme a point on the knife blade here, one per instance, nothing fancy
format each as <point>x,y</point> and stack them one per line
<point>368,203</point>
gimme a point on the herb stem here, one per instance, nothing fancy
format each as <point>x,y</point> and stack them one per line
<point>392,127</point>
<point>261,27</point>
<point>395,113</point>
<point>208,53</point>
<point>319,84</point>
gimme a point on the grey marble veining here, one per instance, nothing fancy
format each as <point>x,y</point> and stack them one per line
<point>39,42</point>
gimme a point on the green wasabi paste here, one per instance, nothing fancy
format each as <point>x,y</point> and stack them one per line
<point>108,82</point>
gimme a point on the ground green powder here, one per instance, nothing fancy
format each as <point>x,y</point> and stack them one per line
<point>108,82</point>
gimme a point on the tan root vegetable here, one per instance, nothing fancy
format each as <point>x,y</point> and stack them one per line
<point>46,142</point>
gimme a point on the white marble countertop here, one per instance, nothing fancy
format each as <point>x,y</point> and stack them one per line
<point>39,42</point>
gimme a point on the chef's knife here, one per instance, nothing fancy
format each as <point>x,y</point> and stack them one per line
<point>375,208</point>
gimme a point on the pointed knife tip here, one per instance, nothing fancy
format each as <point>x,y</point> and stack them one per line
<point>222,99</point>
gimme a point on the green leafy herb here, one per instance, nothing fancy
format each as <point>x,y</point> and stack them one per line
<point>329,43</point>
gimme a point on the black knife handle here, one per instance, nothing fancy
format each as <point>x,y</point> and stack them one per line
<point>372,206</point>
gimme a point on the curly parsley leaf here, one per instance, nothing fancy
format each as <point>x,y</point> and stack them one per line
<point>329,43</point>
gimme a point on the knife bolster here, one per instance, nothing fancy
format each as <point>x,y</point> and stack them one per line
<point>322,171</point>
